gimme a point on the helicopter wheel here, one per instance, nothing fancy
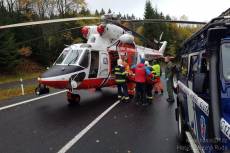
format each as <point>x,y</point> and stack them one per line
<point>73,99</point>
<point>41,89</point>
<point>98,89</point>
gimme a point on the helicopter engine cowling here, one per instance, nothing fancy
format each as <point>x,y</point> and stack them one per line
<point>127,39</point>
<point>112,32</point>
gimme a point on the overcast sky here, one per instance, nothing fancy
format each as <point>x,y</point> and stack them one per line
<point>199,10</point>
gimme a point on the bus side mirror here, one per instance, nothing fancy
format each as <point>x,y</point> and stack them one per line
<point>198,82</point>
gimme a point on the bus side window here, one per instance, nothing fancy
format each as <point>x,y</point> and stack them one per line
<point>204,68</point>
<point>184,66</point>
<point>193,66</point>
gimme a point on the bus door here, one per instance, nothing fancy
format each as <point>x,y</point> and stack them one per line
<point>197,102</point>
<point>193,67</point>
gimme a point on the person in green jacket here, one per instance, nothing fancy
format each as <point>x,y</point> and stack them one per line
<point>169,78</point>
<point>158,87</point>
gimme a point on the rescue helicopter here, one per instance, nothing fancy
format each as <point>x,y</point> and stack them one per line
<point>90,65</point>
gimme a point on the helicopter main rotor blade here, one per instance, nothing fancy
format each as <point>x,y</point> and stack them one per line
<point>165,21</point>
<point>136,34</point>
<point>48,21</point>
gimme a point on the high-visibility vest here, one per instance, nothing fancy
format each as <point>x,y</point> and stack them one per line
<point>120,74</point>
<point>156,70</point>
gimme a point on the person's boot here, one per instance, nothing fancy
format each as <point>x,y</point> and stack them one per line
<point>126,100</point>
<point>119,98</point>
<point>150,101</point>
<point>145,104</point>
<point>162,92</point>
<point>170,100</point>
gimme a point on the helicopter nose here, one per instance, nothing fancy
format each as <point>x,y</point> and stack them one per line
<point>58,76</point>
<point>59,70</point>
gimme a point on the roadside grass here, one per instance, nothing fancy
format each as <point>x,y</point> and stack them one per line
<point>9,93</point>
<point>16,77</point>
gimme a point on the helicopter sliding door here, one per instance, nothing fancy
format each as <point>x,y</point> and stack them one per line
<point>113,56</point>
<point>94,64</point>
<point>104,65</point>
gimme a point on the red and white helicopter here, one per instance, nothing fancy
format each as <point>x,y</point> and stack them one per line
<point>90,65</point>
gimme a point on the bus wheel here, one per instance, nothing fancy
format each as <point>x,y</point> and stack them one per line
<point>181,126</point>
<point>175,85</point>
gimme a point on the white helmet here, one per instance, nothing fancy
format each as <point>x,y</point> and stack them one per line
<point>119,61</point>
<point>147,63</point>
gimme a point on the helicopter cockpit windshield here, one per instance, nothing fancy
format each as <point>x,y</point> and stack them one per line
<point>68,57</point>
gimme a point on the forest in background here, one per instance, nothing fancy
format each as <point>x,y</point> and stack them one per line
<point>43,43</point>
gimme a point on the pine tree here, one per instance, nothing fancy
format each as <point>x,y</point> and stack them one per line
<point>9,56</point>
<point>102,12</point>
<point>133,17</point>
<point>97,13</point>
<point>109,11</point>
<point>153,31</point>
<point>148,27</point>
<point>85,11</point>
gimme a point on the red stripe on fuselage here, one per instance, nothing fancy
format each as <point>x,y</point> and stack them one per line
<point>95,83</point>
<point>86,84</point>
<point>55,84</point>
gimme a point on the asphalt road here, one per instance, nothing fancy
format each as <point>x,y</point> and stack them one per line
<point>48,124</point>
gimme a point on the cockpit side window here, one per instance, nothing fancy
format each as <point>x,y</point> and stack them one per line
<point>84,61</point>
<point>72,57</point>
<point>61,58</point>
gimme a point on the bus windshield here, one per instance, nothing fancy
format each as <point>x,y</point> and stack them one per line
<point>225,49</point>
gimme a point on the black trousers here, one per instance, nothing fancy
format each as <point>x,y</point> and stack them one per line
<point>149,95</point>
<point>122,90</point>
<point>140,92</point>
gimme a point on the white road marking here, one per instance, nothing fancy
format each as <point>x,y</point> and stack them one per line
<point>30,100</point>
<point>86,129</point>
<point>192,143</point>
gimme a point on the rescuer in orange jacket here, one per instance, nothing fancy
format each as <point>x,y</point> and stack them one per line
<point>141,73</point>
<point>130,78</point>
